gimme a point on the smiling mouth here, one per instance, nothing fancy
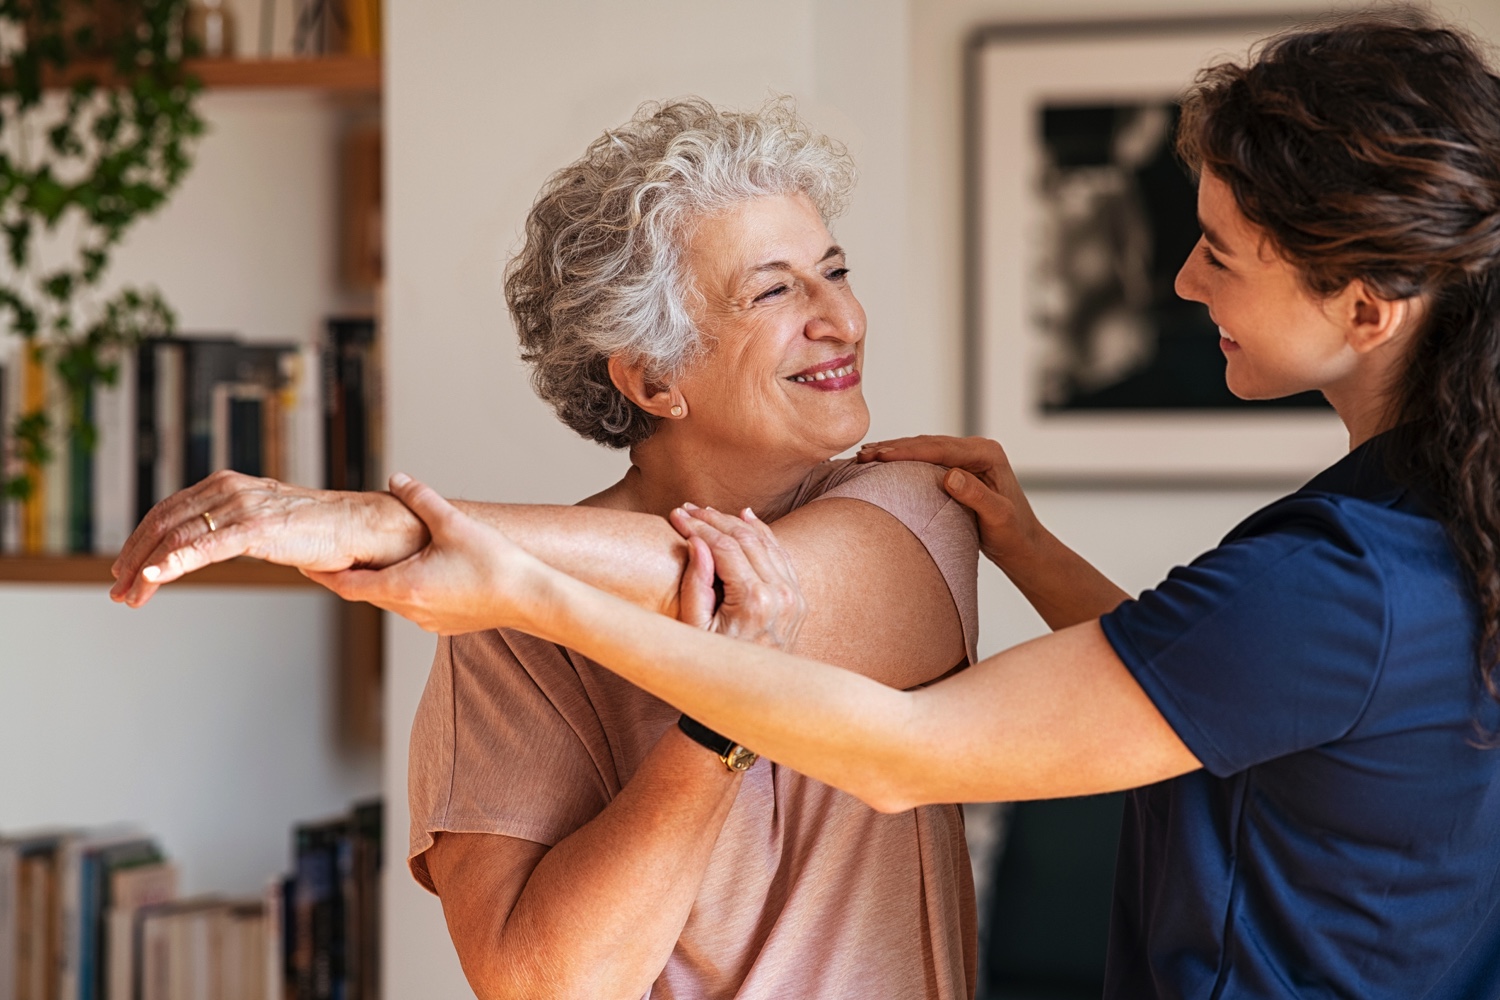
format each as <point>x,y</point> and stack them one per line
<point>1225,335</point>
<point>827,373</point>
<point>838,368</point>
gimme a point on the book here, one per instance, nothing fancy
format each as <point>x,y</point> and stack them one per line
<point>74,923</point>
<point>321,851</point>
<point>10,524</point>
<point>131,890</point>
<point>352,429</point>
<point>114,458</point>
<point>99,868</point>
<point>32,401</point>
<point>57,496</point>
<point>210,363</point>
<point>158,422</point>
<point>176,944</point>
<point>34,912</point>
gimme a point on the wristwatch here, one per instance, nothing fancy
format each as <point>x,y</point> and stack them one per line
<point>734,756</point>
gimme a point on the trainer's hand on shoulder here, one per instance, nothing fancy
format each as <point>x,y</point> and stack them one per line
<point>762,602</point>
<point>229,514</point>
<point>980,478</point>
<point>467,578</point>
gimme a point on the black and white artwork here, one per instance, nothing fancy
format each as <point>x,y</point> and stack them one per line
<point>1119,219</point>
<point>1087,364</point>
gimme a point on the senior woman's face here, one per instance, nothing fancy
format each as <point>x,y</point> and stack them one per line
<point>786,334</point>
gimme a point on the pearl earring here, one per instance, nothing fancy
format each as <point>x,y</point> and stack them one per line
<point>677,410</point>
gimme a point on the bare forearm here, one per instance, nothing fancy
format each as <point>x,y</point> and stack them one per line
<point>1063,587</point>
<point>604,908</point>
<point>637,557</point>
<point>1058,716</point>
<point>826,722</point>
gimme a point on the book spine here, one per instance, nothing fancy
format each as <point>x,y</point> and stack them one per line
<point>145,430</point>
<point>114,412</point>
<point>59,495</point>
<point>9,902</point>
<point>33,510</point>
<point>170,403</point>
<point>81,413</point>
<point>10,524</point>
<point>303,413</point>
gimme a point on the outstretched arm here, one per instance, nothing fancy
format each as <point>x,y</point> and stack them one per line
<point>1058,716</point>
<point>1061,585</point>
<point>634,556</point>
<point>878,603</point>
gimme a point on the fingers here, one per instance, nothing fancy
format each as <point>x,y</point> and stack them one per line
<point>425,502</point>
<point>695,604</point>
<point>978,455</point>
<point>751,536</point>
<point>730,561</point>
<point>990,507</point>
<point>179,509</point>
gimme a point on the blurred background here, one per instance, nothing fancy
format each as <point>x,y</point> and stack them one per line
<point>221,717</point>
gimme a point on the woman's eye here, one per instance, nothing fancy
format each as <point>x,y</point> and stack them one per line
<point>1211,260</point>
<point>770,293</point>
<point>838,274</point>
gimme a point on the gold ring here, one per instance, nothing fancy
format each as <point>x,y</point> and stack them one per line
<point>210,519</point>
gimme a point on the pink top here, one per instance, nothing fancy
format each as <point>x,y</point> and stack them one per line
<point>809,894</point>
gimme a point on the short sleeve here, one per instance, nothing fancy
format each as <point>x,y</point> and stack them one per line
<point>912,493</point>
<point>505,741</point>
<point>1270,644</point>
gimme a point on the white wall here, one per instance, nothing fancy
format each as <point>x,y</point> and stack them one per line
<point>209,715</point>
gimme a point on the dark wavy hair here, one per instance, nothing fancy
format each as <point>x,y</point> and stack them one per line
<point>1368,147</point>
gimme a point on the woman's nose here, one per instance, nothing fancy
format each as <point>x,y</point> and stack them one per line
<point>837,317</point>
<point>1189,283</point>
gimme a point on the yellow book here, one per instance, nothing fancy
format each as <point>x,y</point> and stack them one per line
<point>34,510</point>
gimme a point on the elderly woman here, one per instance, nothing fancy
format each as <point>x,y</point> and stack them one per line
<point>678,295</point>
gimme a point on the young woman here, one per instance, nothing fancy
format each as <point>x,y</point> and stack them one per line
<point>1306,713</point>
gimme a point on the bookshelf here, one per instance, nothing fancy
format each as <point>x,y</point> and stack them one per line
<point>335,74</point>
<point>94,571</point>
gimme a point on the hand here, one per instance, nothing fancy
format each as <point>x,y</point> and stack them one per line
<point>310,529</point>
<point>762,602</point>
<point>463,580</point>
<point>981,479</point>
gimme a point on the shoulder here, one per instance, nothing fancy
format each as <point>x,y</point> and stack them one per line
<point>911,491</point>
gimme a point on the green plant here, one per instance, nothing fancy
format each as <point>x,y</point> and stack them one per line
<point>77,168</point>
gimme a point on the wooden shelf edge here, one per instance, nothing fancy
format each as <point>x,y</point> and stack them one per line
<point>341,74</point>
<point>94,570</point>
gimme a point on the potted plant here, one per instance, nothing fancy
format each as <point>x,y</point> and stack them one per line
<point>97,125</point>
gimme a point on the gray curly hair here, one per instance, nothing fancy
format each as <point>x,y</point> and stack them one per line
<point>601,272</point>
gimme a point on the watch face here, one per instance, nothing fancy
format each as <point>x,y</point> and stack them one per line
<point>740,759</point>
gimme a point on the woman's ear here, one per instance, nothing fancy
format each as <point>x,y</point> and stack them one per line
<point>1372,321</point>
<point>658,400</point>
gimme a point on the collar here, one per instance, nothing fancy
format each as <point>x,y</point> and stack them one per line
<point>1364,473</point>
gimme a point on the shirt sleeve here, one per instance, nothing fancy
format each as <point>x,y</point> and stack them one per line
<point>1269,644</point>
<point>505,741</point>
<point>912,493</point>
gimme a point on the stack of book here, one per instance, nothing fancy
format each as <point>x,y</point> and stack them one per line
<point>96,915</point>
<point>180,409</point>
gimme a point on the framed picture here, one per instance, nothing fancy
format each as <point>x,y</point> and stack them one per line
<point>1082,360</point>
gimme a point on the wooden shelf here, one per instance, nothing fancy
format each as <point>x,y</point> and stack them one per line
<point>332,74</point>
<point>94,570</point>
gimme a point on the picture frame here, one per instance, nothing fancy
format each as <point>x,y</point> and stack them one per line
<point>1080,359</point>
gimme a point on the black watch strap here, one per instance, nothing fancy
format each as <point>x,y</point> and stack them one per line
<point>701,734</point>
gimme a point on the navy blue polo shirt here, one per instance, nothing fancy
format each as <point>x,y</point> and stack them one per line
<point>1343,836</point>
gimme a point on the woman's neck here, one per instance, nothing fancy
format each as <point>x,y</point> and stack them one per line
<point>666,471</point>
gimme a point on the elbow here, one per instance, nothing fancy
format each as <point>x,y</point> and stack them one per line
<point>887,795</point>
